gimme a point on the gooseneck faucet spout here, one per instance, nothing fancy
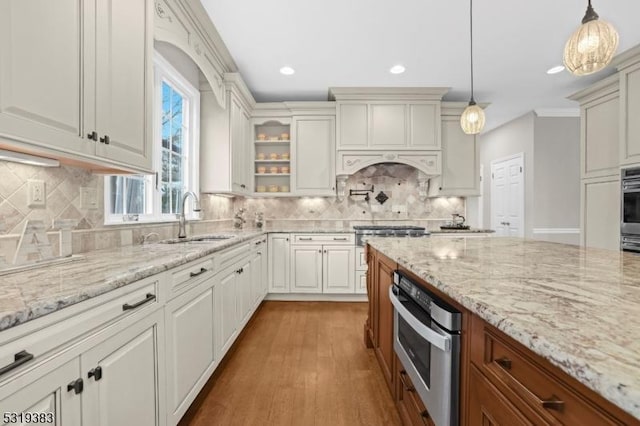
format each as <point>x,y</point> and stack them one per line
<point>182,231</point>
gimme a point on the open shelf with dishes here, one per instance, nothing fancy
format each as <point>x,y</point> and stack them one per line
<point>272,150</point>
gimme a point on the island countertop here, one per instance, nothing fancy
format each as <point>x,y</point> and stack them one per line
<point>576,307</point>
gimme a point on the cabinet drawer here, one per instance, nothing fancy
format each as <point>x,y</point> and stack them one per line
<point>332,239</point>
<point>410,406</point>
<point>506,365</point>
<point>361,259</point>
<point>29,344</point>
<point>258,243</point>
<point>190,275</point>
<point>230,256</point>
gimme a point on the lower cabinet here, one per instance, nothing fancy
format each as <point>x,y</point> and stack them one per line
<point>47,397</point>
<point>279,255</point>
<point>226,318</point>
<point>190,346</point>
<point>322,269</point>
<point>306,269</point>
<point>410,407</point>
<point>382,322</point>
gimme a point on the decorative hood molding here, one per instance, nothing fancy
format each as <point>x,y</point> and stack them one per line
<point>427,162</point>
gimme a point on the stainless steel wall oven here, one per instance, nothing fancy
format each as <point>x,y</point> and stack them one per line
<point>630,210</point>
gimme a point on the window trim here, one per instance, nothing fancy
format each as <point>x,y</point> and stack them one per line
<point>165,71</point>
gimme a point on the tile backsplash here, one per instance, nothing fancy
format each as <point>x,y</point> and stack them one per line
<point>64,201</point>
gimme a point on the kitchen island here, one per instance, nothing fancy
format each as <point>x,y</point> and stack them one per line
<point>573,308</point>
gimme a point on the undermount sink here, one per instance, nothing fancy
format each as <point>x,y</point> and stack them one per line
<point>203,239</point>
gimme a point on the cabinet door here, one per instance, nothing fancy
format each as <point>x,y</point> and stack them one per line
<point>41,61</point>
<point>630,99</point>
<point>123,81</point>
<point>126,392</point>
<point>238,146</point>
<point>383,327</point>
<point>600,136</point>
<point>361,282</point>
<point>460,161</point>
<point>353,126</point>
<point>338,269</point>
<point>245,298</point>
<point>190,347</point>
<point>388,124</point>
<point>314,156</point>
<point>279,263</point>
<point>264,271</point>
<point>601,213</point>
<point>424,126</point>
<point>226,312</point>
<point>48,396</point>
<point>257,278</point>
<point>306,269</point>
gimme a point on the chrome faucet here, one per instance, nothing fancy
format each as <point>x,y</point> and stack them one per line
<point>182,232</point>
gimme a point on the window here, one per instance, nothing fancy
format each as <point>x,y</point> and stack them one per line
<point>158,198</point>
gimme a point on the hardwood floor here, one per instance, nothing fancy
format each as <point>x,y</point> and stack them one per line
<point>300,363</point>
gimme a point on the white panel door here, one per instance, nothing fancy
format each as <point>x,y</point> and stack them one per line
<point>388,125</point>
<point>338,269</point>
<point>361,282</point>
<point>460,161</point>
<point>245,299</point>
<point>41,62</point>
<point>257,277</point>
<point>240,132</point>
<point>279,255</point>
<point>602,213</point>
<point>226,316</point>
<point>424,126</point>
<point>123,81</point>
<point>507,197</point>
<point>306,269</point>
<point>190,346</point>
<point>126,391</point>
<point>48,395</point>
<point>313,153</point>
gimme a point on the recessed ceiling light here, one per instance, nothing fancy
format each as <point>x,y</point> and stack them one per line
<point>555,70</point>
<point>397,69</point>
<point>287,71</point>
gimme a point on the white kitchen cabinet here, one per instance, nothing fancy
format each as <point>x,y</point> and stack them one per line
<point>279,256</point>
<point>353,129</point>
<point>190,347</point>
<point>460,175</point>
<point>97,80</point>
<point>338,266</point>
<point>224,140</point>
<point>600,218</point>
<point>361,282</point>
<point>306,269</point>
<point>630,111</point>
<point>388,125</point>
<point>361,271</point>
<point>257,278</point>
<point>226,312</point>
<point>245,298</point>
<point>424,132</point>
<point>122,375</point>
<point>48,395</point>
<point>313,154</point>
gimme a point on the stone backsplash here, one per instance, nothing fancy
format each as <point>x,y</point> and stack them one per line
<point>63,186</point>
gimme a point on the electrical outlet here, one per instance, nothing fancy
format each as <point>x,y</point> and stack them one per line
<point>88,198</point>
<point>36,193</point>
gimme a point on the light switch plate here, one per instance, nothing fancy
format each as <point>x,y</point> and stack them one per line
<point>36,193</point>
<point>88,198</point>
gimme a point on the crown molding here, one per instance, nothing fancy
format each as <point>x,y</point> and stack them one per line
<point>557,112</point>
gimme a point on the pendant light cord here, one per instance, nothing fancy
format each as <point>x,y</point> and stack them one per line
<point>471,37</point>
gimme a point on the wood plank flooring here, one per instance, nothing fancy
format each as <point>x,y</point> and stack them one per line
<point>300,363</point>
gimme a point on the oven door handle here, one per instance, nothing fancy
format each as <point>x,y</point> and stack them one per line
<point>436,339</point>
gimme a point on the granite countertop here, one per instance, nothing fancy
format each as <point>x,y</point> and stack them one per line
<point>576,307</point>
<point>462,231</point>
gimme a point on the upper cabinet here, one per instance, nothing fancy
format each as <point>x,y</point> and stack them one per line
<point>75,80</point>
<point>314,152</point>
<point>388,118</point>
<point>630,111</point>
<point>225,134</point>
<point>460,157</point>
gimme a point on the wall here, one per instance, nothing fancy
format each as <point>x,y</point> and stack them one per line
<point>556,209</point>
<point>398,182</point>
<point>514,137</point>
<point>180,61</point>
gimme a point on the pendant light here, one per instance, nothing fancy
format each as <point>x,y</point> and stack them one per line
<point>592,46</point>
<point>472,119</point>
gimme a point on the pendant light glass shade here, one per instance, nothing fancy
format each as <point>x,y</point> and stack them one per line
<point>472,119</point>
<point>592,46</point>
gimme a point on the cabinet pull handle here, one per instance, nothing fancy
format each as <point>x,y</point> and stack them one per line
<point>243,186</point>
<point>147,299</point>
<point>105,140</point>
<point>305,238</point>
<point>406,386</point>
<point>96,373</point>
<point>552,403</point>
<point>286,239</point>
<point>258,243</point>
<point>319,251</point>
<point>76,386</point>
<point>325,251</point>
<point>20,358</point>
<point>93,136</point>
<point>340,239</point>
<point>195,274</point>
<point>504,362</point>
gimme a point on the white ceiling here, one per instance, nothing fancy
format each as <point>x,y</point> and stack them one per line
<point>335,43</point>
